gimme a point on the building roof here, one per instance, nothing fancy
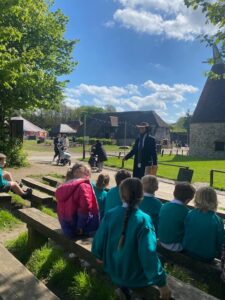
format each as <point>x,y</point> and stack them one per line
<point>211,104</point>
<point>99,125</point>
<point>28,126</point>
<point>62,128</point>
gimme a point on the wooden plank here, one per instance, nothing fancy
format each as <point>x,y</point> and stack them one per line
<point>17,283</point>
<point>198,267</point>
<point>52,180</point>
<point>5,200</point>
<point>39,198</point>
<point>39,186</point>
<point>50,227</point>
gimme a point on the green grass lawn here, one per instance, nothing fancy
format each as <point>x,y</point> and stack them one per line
<point>201,168</point>
<point>7,220</point>
<point>32,146</point>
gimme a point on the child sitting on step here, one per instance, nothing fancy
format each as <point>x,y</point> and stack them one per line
<point>113,197</point>
<point>204,230</point>
<point>8,184</point>
<point>150,204</point>
<point>126,244</point>
<point>172,216</point>
<point>77,207</point>
<point>101,192</point>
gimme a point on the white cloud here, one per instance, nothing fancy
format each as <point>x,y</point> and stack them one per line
<point>146,96</point>
<point>170,18</point>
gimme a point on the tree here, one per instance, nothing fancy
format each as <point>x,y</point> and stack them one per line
<point>215,14</point>
<point>110,108</point>
<point>33,54</point>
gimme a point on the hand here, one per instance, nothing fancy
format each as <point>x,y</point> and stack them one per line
<point>165,292</point>
<point>124,158</point>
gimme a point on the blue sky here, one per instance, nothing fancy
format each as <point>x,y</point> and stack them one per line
<point>136,55</point>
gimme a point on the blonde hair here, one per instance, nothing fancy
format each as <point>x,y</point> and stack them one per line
<point>71,173</point>
<point>150,184</point>
<point>2,157</point>
<point>102,181</point>
<point>206,199</point>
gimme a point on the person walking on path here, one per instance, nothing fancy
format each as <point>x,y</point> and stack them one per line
<point>101,153</point>
<point>57,141</point>
<point>144,152</point>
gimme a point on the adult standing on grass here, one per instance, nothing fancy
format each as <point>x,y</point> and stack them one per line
<point>101,153</point>
<point>144,152</point>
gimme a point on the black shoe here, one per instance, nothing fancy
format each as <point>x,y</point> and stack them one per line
<point>27,195</point>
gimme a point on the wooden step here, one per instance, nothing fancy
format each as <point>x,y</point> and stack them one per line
<point>32,183</point>
<point>53,181</point>
<point>17,283</point>
<point>5,200</point>
<point>39,198</point>
<point>42,225</point>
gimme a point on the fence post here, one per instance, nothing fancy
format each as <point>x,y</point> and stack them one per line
<point>211,177</point>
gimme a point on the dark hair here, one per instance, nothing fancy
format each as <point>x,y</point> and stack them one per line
<point>133,189</point>
<point>102,181</point>
<point>121,175</point>
<point>184,191</point>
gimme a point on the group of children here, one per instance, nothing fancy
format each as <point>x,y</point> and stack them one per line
<point>127,220</point>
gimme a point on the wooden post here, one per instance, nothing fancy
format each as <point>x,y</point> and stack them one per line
<point>211,177</point>
<point>35,239</point>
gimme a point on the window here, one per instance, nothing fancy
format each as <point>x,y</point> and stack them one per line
<point>219,146</point>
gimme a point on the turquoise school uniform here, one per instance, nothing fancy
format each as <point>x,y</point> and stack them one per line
<point>204,235</point>
<point>112,199</point>
<point>136,264</point>
<point>171,222</point>
<point>100,196</point>
<point>3,181</point>
<point>151,206</point>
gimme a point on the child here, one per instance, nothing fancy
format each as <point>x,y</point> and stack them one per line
<point>204,229</point>
<point>100,191</point>
<point>126,244</point>
<point>77,206</point>
<point>172,216</point>
<point>150,204</point>
<point>113,197</point>
<point>8,184</point>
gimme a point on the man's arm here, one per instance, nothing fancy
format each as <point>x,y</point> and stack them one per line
<point>132,152</point>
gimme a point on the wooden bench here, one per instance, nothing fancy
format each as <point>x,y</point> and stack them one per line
<point>52,181</point>
<point>41,227</point>
<point>17,283</point>
<point>32,183</point>
<point>5,200</point>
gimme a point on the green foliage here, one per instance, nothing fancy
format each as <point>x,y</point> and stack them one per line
<point>16,156</point>
<point>19,248</point>
<point>7,220</point>
<point>92,141</point>
<point>86,286</point>
<point>18,200</point>
<point>215,14</point>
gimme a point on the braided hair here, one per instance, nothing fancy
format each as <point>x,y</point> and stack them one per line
<point>131,191</point>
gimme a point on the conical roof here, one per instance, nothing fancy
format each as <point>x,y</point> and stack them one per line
<point>211,104</point>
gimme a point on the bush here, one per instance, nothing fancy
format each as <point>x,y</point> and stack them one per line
<point>16,157</point>
<point>92,141</point>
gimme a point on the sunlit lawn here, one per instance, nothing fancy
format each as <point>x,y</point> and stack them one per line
<point>201,168</point>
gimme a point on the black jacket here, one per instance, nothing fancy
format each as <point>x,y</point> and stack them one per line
<point>100,152</point>
<point>148,155</point>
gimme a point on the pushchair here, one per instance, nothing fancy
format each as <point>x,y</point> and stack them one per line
<point>93,161</point>
<point>64,156</point>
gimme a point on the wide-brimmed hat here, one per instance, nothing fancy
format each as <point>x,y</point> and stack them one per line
<point>143,125</point>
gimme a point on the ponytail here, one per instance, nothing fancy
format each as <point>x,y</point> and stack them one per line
<point>133,188</point>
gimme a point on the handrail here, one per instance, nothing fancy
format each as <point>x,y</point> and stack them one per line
<point>212,171</point>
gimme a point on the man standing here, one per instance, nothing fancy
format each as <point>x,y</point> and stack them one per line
<point>144,152</point>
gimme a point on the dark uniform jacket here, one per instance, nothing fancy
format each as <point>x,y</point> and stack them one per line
<point>144,152</point>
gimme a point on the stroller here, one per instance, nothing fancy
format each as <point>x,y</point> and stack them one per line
<point>93,160</point>
<point>64,157</point>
